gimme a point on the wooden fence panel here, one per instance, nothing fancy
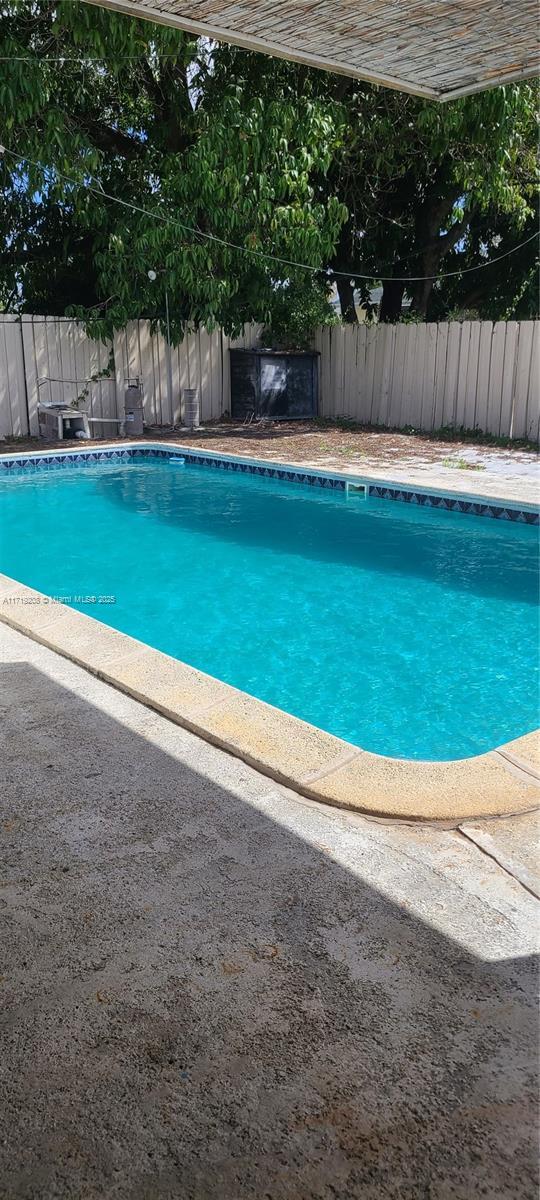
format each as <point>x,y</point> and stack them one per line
<point>518,426</point>
<point>412,376</point>
<point>340,347</point>
<point>496,372</point>
<point>482,416</point>
<point>465,349</point>
<point>215,383</point>
<point>428,378</point>
<point>366,342</point>
<point>466,374</point>
<point>533,401</point>
<point>59,362</point>
<point>508,377</point>
<point>323,343</point>
<point>13,412</point>
<point>205,368</point>
<point>452,374</point>
<point>398,376</point>
<point>351,378</point>
<point>387,337</point>
<point>31,371</point>
<point>470,374</point>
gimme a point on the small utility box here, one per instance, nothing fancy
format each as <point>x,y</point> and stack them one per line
<point>279,385</point>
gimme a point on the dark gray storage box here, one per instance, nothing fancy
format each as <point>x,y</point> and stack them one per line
<point>276,384</point>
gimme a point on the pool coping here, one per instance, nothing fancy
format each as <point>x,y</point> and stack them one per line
<point>290,751</point>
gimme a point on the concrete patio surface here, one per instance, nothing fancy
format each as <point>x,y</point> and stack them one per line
<point>214,989</point>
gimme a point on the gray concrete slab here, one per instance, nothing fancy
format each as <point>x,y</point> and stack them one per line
<point>215,989</point>
<point>514,844</point>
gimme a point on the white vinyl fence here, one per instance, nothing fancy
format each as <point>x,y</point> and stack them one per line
<point>474,374</point>
<point>51,360</point>
<point>471,374</point>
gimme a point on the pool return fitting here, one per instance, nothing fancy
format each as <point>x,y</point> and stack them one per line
<point>358,490</point>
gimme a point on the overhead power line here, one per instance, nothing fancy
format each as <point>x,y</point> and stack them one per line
<point>88,58</point>
<point>352,275</point>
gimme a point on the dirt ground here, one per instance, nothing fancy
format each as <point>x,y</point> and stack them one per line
<point>309,441</point>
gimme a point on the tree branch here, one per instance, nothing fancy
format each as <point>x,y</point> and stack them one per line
<point>108,139</point>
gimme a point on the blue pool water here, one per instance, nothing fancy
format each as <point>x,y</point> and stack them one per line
<point>408,631</point>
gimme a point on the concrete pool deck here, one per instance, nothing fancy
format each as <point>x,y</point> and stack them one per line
<point>215,989</point>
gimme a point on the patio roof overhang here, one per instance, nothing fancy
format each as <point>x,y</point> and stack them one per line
<point>440,49</point>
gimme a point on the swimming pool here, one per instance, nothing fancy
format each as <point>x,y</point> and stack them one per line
<point>409,631</point>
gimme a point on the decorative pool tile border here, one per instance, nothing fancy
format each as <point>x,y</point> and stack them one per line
<point>480,508</point>
<point>286,474</point>
<point>61,460</point>
<point>82,458</point>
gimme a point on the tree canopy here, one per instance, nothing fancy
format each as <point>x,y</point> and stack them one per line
<point>435,188</point>
<point>225,161</point>
<point>119,107</point>
<point>421,182</point>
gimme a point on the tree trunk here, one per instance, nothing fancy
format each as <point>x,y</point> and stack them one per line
<point>346,300</point>
<point>342,262</point>
<point>424,288</point>
<point>429,219</point>
<point>391,301</point>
